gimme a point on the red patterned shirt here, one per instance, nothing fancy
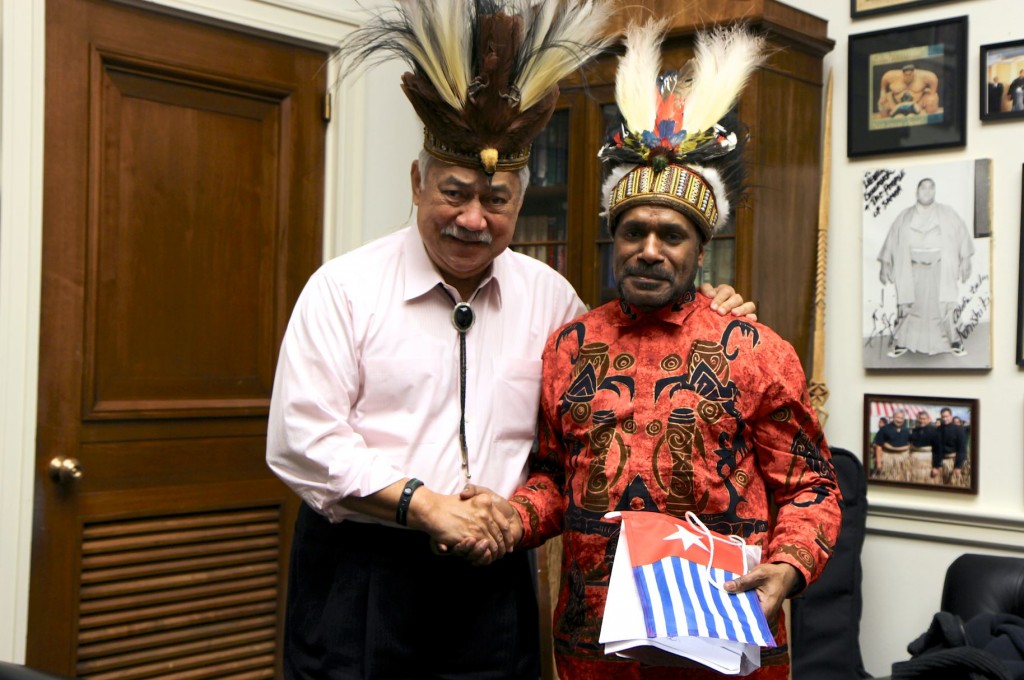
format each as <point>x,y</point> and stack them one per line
<point>676,410</point>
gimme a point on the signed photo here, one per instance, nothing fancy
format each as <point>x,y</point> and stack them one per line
<point>927,267</point>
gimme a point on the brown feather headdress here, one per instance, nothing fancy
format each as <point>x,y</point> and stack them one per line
<point>485,72</point>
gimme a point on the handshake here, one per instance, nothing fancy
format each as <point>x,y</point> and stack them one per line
<point>477,525</point>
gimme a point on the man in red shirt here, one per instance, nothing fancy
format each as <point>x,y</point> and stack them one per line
<point>654,402</point>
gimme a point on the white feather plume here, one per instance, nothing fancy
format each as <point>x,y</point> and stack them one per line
<point>717,184</point>
<point>637,75</point>
<point>613,178</point>
<point>724,58</point>
<point>443,45</point>
<point>563,36</point>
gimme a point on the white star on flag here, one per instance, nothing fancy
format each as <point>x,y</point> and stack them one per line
<point>688,538</point>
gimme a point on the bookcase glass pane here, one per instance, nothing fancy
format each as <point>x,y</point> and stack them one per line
<point>610,120</point>
<point>541,231</point>
<point>719,262</point>
<point>549,156</point>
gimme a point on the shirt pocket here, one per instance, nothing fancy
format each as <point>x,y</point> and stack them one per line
<point>516,399</point>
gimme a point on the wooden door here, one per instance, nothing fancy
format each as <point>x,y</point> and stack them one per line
<point>183,199</point>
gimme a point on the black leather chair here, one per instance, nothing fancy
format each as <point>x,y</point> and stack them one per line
<point>825,618</point>
<point>984,584</point>
<point>11,671</point>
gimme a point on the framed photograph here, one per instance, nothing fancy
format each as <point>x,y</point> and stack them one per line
<point>908,88</point>
<point>864,8</point>
<point>926,267</point>
<point>1020,281</point>
<point>921,442</point>
<point>1002,80</point>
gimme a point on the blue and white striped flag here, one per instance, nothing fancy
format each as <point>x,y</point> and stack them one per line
<point>676,567</point>
<point>678,599</point>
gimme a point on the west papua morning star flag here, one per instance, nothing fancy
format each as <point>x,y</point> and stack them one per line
<point>676,570</point>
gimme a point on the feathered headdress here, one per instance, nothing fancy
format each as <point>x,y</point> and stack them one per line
<point>485,72</point>
<point>677,145</point>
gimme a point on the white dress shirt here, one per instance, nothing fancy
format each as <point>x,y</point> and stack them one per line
<point>367,384</point>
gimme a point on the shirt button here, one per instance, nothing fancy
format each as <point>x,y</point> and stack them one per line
<point>637,504</point>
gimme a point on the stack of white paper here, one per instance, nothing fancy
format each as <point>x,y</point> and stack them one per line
<point>623,631</point>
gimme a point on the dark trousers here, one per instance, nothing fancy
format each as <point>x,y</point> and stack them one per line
<point>368,601</point>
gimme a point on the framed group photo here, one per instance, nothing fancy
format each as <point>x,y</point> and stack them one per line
<point>921,442</point>
<point>908,88</point>
<point>927,294</point>
<point>1002,80</point>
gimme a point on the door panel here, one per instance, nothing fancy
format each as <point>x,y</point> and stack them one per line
<point>182,214</point>
<point>187,185</point>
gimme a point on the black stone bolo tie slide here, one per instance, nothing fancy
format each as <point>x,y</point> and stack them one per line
<point>462,317</point>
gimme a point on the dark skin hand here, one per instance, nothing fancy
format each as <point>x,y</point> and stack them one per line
<point>773,583</point>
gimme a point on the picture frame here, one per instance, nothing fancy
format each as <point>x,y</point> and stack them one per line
<point>907,89</point>
<point>866,8</point>
<point>935,447</point>
<point>1020,281</point>
<point>1001,87</point>
<point>927,313</point>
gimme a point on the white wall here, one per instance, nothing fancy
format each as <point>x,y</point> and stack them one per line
<point>912,535</point>
<point>20,243</point>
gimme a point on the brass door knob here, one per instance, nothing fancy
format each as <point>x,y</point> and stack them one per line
<point>65,470</point>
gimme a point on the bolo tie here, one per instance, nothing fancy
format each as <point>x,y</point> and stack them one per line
<point>462,319</point>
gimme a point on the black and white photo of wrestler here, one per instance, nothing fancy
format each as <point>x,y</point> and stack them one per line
<point>926,270</point>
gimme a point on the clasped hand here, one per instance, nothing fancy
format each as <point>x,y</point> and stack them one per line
<point>477,525</point>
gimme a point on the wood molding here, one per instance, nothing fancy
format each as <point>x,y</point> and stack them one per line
<point>972,531</point>
<point>806,31</point>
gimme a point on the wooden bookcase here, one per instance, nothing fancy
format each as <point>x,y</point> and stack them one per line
<point>768,250</point>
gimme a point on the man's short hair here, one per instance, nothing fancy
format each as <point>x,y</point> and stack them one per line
<point>926,179</point>
<point>946,410</point>
<point>908,67</point>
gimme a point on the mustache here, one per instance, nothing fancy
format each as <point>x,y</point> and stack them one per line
<point>463,234</point>
<point>646,271</point>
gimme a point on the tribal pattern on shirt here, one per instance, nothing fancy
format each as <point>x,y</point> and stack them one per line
<point>677,410</point>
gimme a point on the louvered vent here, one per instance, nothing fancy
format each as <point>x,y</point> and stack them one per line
<point>191,596</point>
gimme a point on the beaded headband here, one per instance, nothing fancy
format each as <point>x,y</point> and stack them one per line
<point>678,187</point>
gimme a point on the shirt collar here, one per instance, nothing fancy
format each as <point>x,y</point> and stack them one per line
<point>675,313</point>
<point>421,276</point>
